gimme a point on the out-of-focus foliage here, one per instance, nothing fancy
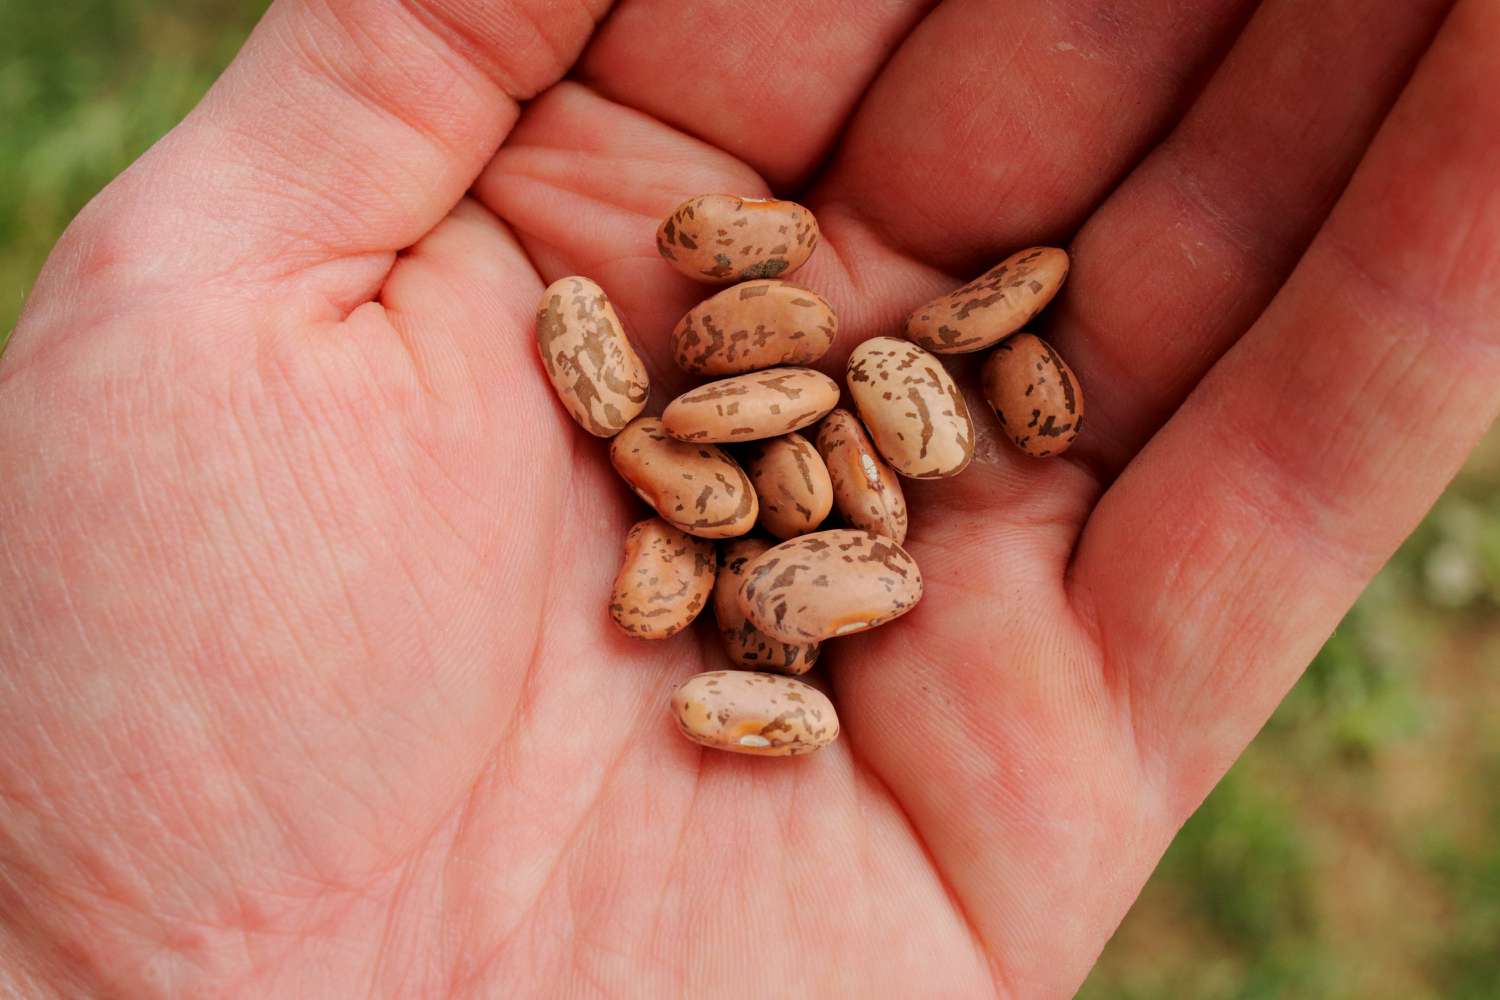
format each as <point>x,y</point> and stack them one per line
<point>1469,962</point>
<point>1353,853</point>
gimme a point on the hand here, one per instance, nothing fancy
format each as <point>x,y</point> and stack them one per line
<point>309,688</point>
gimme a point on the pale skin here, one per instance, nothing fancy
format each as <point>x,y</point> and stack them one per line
<point>309,685</point>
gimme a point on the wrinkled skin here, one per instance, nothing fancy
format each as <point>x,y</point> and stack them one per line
<point>309,688</point>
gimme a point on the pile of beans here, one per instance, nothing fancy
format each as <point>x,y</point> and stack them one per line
<point>777,602</point>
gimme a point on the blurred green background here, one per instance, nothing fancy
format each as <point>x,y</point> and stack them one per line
<point>1354,852</point>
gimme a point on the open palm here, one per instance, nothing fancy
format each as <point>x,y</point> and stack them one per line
<point>309,688</point>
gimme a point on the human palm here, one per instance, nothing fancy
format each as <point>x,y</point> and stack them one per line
<point>309,684</point>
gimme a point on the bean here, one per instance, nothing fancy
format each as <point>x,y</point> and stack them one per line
<point>791,483</point>
<point>745,644</point>
<point>913,409</point>
<point>750,407</point>
<point>1035,394</point>
<point>865,489</point>
<point>694,487</point>
<point>762,714</point>
<point>596,373</point>
<point>751,326</point>
<point>829,583</point>
<point>992,306</point>
<point>723,238</point>
<point>664,580</point>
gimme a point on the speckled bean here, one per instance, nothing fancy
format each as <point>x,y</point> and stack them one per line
<point>792,484</point>
<point>695,487</point>
<point>993,306</point>
<point>914,411</point>
<point>761,714</point>
<point>664,580</point>
<point>750,407</point>
<point>1035,394</point>
<point>865,489</point>
<point>597,374</point>
<point>829,583</point>
<point>751,326</point>
<point>745,644</point>
<point>722,238</point>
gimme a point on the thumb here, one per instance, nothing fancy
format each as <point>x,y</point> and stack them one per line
<point>343,131</point>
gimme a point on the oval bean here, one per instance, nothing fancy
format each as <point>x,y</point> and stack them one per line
<point>664,580</point>
<point>992,306</point>
<point>755,325</point>
<point>723,238</point>
<point>866,490</point>
<point>829,583</point>
<point>751,713</point>
<point>1035,394</point>
<point>791,483</point>
<point>695,487</point>
<point>596,373</point>
<point>750,407</point>
<point>913,409</point>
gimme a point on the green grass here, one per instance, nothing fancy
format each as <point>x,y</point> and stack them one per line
<point>1267,892</point>
<point>1468,963</point>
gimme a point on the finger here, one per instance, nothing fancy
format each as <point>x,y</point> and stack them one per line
<point>996,126</point>
<point>1228,550</point>
<point>343,131</point>
<point>772,89</point>
<point>1181,259</point>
